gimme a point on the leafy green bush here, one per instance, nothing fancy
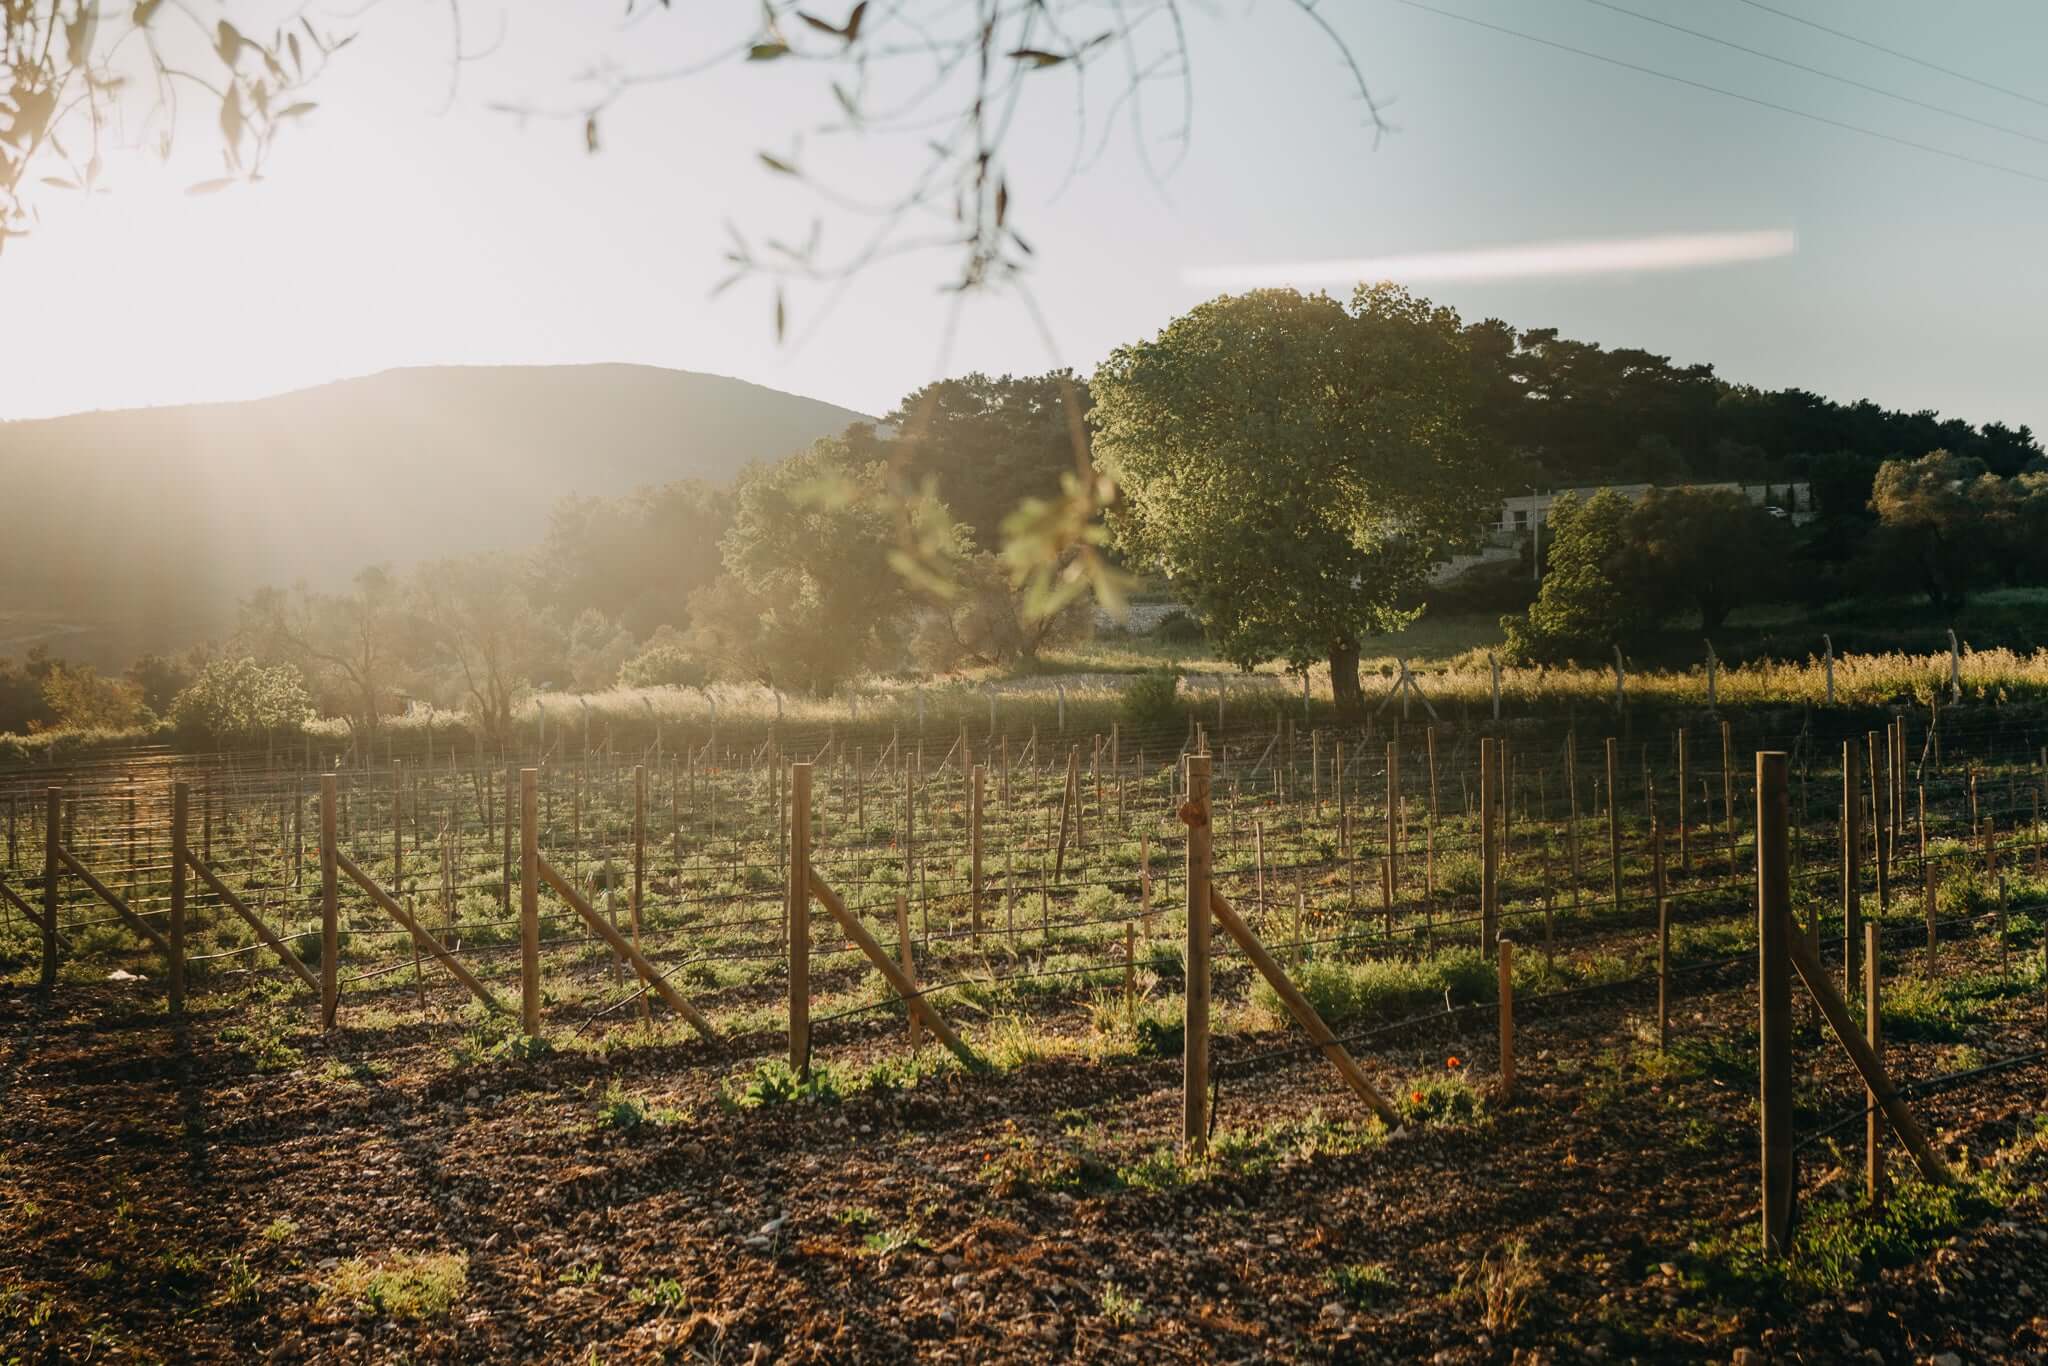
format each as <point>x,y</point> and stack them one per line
<point>1450,1099</point>
<point>1178,628</point>
<point>665,665</point>
<point>775,1082</point>
<point>1151,701</point>
<point>239,699</point>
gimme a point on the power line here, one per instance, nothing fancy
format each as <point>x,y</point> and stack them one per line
<point>1730,94</point>
<point>1816,71</point>
<point>1894,52</point>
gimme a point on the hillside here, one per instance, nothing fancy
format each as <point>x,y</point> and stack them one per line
<point>139,529</point>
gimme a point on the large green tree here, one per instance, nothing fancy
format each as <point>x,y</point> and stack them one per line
<point>1587,603</point>
<point>1940,520</point>
<point>350,647</point>
<point>483,640</point>
<point>809,596</point>
<point>1709,550</point>
<point>635,559</point>
<point>986,444</point>
<point>1294,464</point>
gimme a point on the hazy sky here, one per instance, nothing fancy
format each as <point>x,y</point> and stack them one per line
<point>393,233</point>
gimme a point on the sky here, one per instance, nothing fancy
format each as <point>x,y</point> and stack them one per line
<point>405,223</point>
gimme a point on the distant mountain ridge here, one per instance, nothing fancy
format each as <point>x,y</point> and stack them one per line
<point>144,526</point>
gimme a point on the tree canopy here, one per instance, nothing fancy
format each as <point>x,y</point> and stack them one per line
<point>1295,464</point>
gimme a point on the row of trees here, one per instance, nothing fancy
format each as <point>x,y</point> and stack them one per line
<point>1616,570</point>
<point>1293,466</point>
<point>1941,526</point>
<point>794,579</point>
<point>1296,468</point>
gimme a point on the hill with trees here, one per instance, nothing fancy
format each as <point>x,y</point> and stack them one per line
<point>146,526</point>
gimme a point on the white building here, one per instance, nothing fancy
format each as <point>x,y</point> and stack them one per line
<point>1525,514</point>
<point>1524,510</point>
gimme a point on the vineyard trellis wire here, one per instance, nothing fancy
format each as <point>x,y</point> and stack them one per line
<point>1407,854</point>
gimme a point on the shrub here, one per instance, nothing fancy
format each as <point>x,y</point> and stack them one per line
<point>1151,701</point>
<point>1178,628</point>
<point>664,665</point>
<point>235,699</point>
<point>775,1082</point>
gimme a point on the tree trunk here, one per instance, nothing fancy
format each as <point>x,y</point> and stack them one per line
<point>1344,679</point>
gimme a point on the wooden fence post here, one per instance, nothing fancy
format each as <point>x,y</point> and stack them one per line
<point>974,850</point>
<point>1852,870</point>
<point>799,910</point>
<point>1393,823</point>
<point>330,906</point>
<point>1489,853</point>
<point>1873,1034</point>
<point>1663,939</point>
<point>1614,820</point>
<point>909,969</point>
<point>529,901</point>
<point>639,866</point>
<point>1728,791</point>
<point>1774,999</point>
<point>1507,1018</point>
<point>1145,882</point>
<point>53,831</point>
<point>1195,1016</point>
<point>180,809</point>
<point>1880,793</point>
<point>1684,839</point>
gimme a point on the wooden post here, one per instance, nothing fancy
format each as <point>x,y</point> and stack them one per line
<point>1836,1012</point>
<point>1507,1018</point>
<point>1852,853</point>
<point>529,901</point>
<point>419,985</point>
<point>1195,1016</point>
<point>180,814</point>
<point>1684,840</point>
<point>1613,820</point>
<point>1429,835</point>
<point>1145,881</point>
<point>1074,782</point>
<point>891,973</point>
<point>974,850</point>
<point>1130,968</point>
<point>799,910</point>
<point>1728,792</point>
<point>1880,789</point>
<point>1663,939</point>
<point>1393,823</point>
<point>909,969</point>
<point>1774,999</point>
<point>1298,1005</point>
<point>1926,882</point>
<point>1489,852</point>
<point>1873,1034</point>
<point>330,906</point>
<point>1571,822</point>
<point>639,867</point>
<point>53,832</point>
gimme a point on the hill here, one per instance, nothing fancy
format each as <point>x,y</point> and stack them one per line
<point>139,529</point>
